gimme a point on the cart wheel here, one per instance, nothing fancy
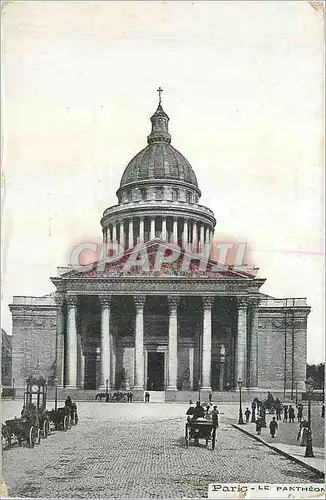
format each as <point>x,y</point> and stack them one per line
<point>38,436</point>
<point>8,441</point>
<point>31,437</point>
<point>65,423</point>
<point>69,422</point>
<point>48,427</point>
<point>206,442</point>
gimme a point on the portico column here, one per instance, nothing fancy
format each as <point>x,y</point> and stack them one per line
<point>207,242</point>
<point>253,363</point>
<point>164,235</point>
<point>71,357</point>
<point>152,233</point>
<point>194,237</point>
<point>173,343</point>
<point>80,362</point>
<point>139,343</point>
<point>206,344</point>
<point>201,238</point>
<point>222,367</point>
<point>122,234</point>
<point>175,230</point>
<point>131,234</point>
<point>114,233</point>
<point>242,342</point>
<point>141,230</point>
<point>105,302</point>
<point>59,345</point>
<point>185,234</point>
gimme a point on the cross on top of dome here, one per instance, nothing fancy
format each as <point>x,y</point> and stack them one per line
<point>159,90</point>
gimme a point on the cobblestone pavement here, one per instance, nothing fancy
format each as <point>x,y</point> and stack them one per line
<point>137,451</point>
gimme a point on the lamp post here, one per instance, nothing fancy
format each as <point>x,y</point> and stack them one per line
<point>13,389</point>
<point>56,381</point>
<point>309,390</point>
<point>240,408</point>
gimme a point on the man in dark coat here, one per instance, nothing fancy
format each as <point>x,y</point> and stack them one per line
<point>215,414</point>
<point>199,411</point>
<point>272,427</point>
<point>247,414</point>
<point>291,414</point>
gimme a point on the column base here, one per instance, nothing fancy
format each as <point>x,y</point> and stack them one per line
<point>204,393</point>
<point>71,387</point>
<point>137,394</point>
<point>171,394</point>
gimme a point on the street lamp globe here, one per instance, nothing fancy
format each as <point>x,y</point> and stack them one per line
<point>240,383</point>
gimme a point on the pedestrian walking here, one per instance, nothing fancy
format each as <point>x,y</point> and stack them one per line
<point>300,412</point>
<point>210,397</point>
<point>285,413</point>
<point>215,414</point>
<point>258,426</point>
<point>253,411</point>
<point>130,396</point>
<point>291,414</point>
<point>323,411</point>
<point>147,396</point>
<point>247,414</point>
<point>278,409</point>
<point>272,427</point>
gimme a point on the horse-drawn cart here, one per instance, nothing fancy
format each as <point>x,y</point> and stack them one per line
<point>60,418</point>
<point>200,428</point>
<point>21,429</point>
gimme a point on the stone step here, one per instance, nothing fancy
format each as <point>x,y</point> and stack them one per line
<point>156,396</point>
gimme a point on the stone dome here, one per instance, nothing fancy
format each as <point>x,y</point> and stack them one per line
<point>159,160</point>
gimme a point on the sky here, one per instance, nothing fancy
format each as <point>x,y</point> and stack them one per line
<point>243,86</point>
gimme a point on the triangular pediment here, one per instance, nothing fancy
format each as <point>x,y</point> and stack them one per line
<point>157,258</point>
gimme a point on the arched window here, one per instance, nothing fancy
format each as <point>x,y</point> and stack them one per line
<point>175,194</point>
<point>188,197</point>
<point>129,195</point>
<point>143,194</point>
<point>159,194</point>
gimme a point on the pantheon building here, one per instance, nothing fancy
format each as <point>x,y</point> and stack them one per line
<point>162,315</point>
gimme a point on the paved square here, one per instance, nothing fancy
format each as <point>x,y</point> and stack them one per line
<point>137,450</point>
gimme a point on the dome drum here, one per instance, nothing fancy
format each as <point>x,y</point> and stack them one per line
<point>166,190</point>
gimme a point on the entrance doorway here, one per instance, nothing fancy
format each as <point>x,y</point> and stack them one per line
<point>155,371</point>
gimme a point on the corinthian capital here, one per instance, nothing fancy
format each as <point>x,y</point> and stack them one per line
<point>105,300</point>
<point>173,302</point>
<point>208,302</point>
<point>71,300</point>
<point>139,301</point>
<point>242,302</point>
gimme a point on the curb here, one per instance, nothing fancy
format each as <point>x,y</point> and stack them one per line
<point>281,452</point>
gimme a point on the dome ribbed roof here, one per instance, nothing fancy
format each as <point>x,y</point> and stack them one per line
<point>159,160</point>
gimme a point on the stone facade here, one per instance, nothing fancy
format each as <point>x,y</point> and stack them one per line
<point>184,325</point>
